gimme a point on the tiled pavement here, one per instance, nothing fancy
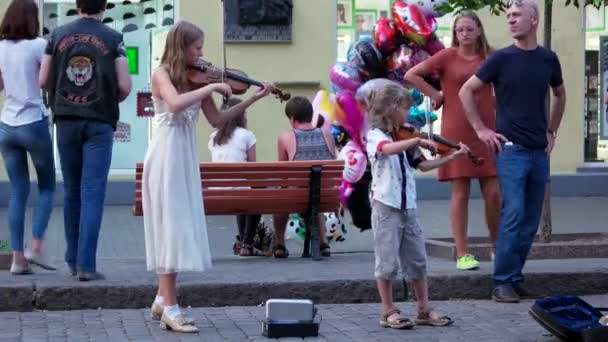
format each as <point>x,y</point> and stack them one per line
<point>474,321</point>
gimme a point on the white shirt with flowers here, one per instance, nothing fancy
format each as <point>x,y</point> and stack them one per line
<point>393,182</point>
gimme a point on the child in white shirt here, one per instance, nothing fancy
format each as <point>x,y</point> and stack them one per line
<point>233,142</point>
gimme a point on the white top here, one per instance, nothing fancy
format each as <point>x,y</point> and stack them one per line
<point>20,66</point>
<point>235,150</point>
<point>388,185</point>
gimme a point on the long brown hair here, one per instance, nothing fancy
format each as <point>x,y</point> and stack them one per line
<point>175,59</point>
<point>227,128</point>
<point>20,21</point>
<point>481,47</point>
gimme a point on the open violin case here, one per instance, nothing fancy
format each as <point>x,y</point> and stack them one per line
<point>570,318</point>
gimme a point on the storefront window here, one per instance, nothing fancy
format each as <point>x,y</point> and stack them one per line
<point>596,82</point>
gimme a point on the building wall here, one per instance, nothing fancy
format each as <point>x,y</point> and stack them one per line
<point>302,66</point>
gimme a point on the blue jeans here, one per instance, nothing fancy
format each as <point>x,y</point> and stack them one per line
<point>15,143</point>
<point>85,151</point>
<point>522,175</point>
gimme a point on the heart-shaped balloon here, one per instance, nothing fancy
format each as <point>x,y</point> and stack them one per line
<point>410,19</point>
<point>386,36</point>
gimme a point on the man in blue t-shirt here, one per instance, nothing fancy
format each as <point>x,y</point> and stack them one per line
<point>521,75</point>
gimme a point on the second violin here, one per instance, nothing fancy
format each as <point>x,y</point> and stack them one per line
<point>442,145</point>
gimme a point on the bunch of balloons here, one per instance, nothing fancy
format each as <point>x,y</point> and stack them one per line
<point>398,43</point>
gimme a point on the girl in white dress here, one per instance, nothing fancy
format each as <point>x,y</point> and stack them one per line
<point>174,217</point>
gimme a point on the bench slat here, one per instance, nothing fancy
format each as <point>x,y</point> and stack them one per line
<point>292,182</point>
<point>228,206</point>
<point>263,208</point>
<point>257,177</point>
<point>262,194</point>
<point>273,165</point>
<point>266,174</point>
<point>248,168</point>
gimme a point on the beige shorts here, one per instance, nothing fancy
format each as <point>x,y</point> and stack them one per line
<point>398,243</point>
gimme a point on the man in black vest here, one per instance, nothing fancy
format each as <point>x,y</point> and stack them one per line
<point>86,74</point>
<point>522,74</point>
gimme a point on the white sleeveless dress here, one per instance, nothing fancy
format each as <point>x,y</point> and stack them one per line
<point>174,216</point>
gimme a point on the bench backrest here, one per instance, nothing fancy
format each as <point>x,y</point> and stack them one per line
<point>261,187</point>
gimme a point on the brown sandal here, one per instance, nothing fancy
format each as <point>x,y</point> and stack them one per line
<point>283,252</point>
<point>433,318</point>
<point>399,323</point>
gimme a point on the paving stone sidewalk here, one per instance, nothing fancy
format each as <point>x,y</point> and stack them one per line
<point>474,321</point>
<point>343,278</point>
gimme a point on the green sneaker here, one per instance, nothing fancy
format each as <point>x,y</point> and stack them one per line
<point>467,262</point>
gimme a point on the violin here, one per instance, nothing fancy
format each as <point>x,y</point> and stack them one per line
<point>442,145</point>
<point>204,73</point>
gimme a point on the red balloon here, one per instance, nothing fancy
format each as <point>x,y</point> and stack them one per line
<point>410,19</point>
<point>386,36</point>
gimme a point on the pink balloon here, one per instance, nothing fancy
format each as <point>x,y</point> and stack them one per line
<point>344,77</point>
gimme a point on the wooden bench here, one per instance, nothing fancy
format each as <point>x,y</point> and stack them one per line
<point>268,188</point>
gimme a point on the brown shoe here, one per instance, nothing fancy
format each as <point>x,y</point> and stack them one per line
<point>505,294</point>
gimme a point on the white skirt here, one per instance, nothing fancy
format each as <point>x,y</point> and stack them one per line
<point>174,216</point>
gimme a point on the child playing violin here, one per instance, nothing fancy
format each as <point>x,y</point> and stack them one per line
<point>398,239</point>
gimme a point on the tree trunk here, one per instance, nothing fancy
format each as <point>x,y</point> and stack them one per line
<point>545,223</point>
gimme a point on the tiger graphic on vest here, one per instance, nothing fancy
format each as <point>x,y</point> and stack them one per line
<point>80,70</point>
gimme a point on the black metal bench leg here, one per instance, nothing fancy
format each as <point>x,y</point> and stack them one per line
<point>312,238</point>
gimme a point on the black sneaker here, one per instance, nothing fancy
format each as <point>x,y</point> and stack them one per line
<point>524,293</point>
<point>90,276</point>
<point>505,294</point>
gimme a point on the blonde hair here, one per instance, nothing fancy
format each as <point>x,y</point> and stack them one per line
<point>175,59</point>
<point>481,46</point>
<point>383,99</point>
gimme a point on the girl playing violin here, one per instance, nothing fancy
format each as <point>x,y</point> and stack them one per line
<point>174,218</point>
<point>398,239</point>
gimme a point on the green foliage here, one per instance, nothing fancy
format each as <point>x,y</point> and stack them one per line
<point>498,6</point>
<point>4,247</point>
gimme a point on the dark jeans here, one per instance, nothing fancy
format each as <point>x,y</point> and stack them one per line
<point>85,150</point>
<point>522,174</point>
<point>247,227</point>
<point>15,144</point>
